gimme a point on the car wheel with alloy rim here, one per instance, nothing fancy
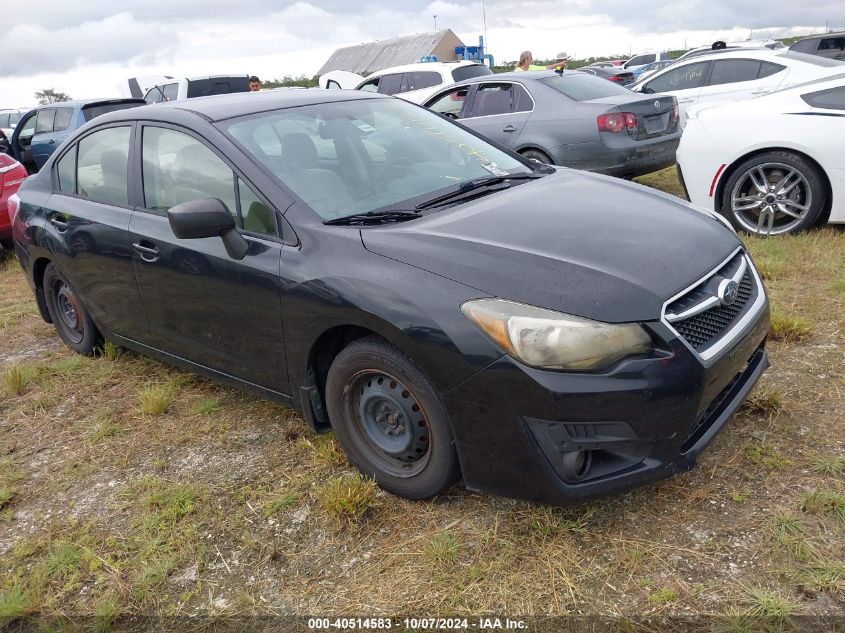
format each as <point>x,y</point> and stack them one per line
<point>774,193</point>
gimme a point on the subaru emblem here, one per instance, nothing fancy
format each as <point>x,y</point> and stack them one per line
<point>727,292</point>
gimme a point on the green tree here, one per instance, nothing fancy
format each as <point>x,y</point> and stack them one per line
<point>48,95</point>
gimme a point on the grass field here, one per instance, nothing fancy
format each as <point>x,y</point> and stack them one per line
<point>128,487</point>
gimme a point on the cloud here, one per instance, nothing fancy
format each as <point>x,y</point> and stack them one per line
<point>81,46</point>
<point>29,49</point>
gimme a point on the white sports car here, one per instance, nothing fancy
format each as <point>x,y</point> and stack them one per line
<point>770,165</point>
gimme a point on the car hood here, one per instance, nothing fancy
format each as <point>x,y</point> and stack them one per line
<point>580,243</point>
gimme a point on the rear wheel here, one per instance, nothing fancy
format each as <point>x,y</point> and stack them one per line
<point>536,154</point>
<point>390,420</point>
<point>774,193</point>
<point>70,318</point>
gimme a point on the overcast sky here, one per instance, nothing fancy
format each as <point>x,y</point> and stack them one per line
<point>88,48</point>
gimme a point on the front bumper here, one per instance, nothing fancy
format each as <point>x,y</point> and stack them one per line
<point>645,420</point>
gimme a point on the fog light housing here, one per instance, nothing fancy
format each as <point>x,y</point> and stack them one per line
<point>576,464</point>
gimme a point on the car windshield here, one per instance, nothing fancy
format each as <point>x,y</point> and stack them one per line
<point>583,87</point>
<point>352,157</point>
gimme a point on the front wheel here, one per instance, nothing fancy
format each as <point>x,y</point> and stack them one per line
<point>537,155</point>
<point>70,318</point>
<point>774,193</point>
<point>390,420</point>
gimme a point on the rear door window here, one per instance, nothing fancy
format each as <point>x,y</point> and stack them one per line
<point>390,84</point>
<point>419,80</point>
<point>491,99</point>
<point>683,78</point>
<point>45,120</point>
<point>4,120</point>
<point>729,71</point>
<point>62,121</point>
<point>102,166</point>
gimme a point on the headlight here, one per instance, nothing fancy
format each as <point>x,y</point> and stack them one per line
<point>553,340</point>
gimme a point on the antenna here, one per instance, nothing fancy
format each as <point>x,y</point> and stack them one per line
<point>435,21</point>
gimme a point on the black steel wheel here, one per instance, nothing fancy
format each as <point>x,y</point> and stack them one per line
<point>774,193</point>
<point>70,318</point>
<point>390,420</point>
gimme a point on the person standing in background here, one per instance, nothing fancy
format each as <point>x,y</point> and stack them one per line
<point>526,60</point>
<point>560,63</point>
<point>254,84</point>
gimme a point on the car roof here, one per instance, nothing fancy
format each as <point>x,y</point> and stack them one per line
<point>512,76</point>
<point>820,36</point>
<point>81,103</point>
<point>219,107</point>
<point>439,66</point>
<point>201,78</point>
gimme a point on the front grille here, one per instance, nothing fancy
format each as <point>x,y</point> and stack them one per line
<point>709,321</point>
<point>703,329</point>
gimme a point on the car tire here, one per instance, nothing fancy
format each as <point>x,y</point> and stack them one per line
<point>774,193</point>
<point>536,154</point>
<point>70,318</point>
<point>389,419</point>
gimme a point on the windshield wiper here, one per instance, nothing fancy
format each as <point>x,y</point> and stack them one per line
<point>375,217</point>
<point>474,185</point>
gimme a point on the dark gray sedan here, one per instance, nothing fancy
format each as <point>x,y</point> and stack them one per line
<point>570,119</point>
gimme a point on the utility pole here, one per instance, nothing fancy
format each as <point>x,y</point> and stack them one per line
<point>484,20</point>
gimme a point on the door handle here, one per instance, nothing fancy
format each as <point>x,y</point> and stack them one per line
<point>686,100</point>
<point>509,128</point>
<point>762,91</point>
<point>60,224</point>
<point>148,253</point>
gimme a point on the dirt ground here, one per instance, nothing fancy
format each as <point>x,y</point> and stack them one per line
<point>128,487</point>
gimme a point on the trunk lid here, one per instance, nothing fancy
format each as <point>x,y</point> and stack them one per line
<point>656,114</point>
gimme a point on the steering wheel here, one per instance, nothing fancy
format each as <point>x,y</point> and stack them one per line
<point>402,163</point>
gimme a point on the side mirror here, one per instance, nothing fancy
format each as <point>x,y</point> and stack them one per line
<point>207,217</point>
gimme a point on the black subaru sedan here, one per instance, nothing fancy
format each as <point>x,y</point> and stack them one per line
<point>447,308</point>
